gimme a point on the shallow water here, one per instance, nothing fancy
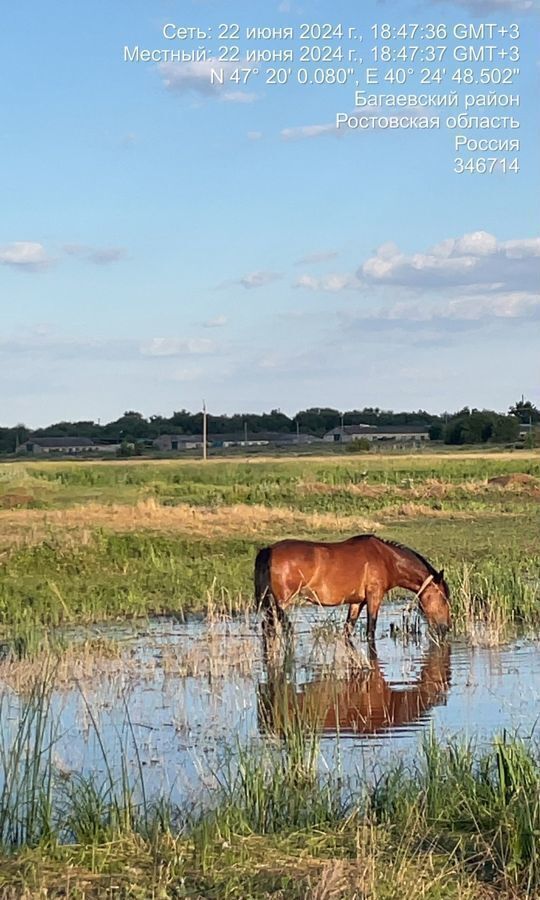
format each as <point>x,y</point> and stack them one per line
<point>178,698</point>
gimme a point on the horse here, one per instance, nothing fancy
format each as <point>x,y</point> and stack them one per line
<point>365,703</point>
<point>356,572</point>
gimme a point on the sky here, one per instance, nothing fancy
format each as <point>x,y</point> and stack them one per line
<point>163,240</point>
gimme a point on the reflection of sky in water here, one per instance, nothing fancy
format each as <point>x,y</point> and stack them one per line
<point>185,725</point>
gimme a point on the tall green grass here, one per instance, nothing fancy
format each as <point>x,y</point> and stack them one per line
<point>271,483</point>
<point>115,576</point>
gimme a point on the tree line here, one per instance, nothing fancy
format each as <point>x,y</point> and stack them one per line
<point>466,426</point>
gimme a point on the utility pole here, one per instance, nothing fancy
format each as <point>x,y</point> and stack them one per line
<point>245,433</point>
<point>297,431</point>
<point>204,430</point>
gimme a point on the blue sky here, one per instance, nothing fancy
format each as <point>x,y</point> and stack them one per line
<point>161,242</point>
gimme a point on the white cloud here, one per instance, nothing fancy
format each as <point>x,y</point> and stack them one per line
<point>160,346</point>
<point>258,279</point>
<point>477,258</point>
<point>470,307</point>
<point>29,256</point>
<point>329,283</point>
<point>255,135</point>
<point>196,77</point>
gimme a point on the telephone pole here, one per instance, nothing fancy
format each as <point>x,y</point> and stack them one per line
<point>204,430</point>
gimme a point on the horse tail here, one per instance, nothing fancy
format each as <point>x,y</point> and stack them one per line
<point>263,591</point>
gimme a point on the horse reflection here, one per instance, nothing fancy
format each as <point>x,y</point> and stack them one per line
<point>365,703</point>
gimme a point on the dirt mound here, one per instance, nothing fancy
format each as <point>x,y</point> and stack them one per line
<point>519,478</point>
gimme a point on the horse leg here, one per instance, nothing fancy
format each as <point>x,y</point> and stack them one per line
<point>275,615</point>
<point>374,600</point>
<point>352,618</point>
<point>269,625</point>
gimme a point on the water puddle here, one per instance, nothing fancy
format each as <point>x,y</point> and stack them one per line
<point>177,699</point>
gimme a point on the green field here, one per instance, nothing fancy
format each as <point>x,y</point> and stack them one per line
<point>87,542</point>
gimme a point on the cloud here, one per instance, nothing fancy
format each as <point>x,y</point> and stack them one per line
<point>306,132</point>
<point>474,259</point>
<point>106,255</point>
<point>255,135</point>
<point>303,132</point>
<point>481,7</point>
<point>100,256</point>
<point>239,97</point>
<point>160,346</point>
<point>43,343</point>
<point>258,279</point>
<point>317,257</point>
<point>459,285</point>
<point>332,284</point>
<point>216,322</point>
<point>468,308</point>
<point>28,256</point>
<point>196,77</point>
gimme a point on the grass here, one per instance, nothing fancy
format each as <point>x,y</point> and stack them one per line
<point>83,542</point>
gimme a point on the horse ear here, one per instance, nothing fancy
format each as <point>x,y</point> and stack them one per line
<point>439,576</point>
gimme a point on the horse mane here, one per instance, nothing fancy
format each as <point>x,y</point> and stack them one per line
<point>399,546</point>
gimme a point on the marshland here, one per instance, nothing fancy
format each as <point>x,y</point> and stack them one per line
<point>147,749</point>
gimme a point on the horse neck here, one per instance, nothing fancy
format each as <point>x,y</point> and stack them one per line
<point>411,572</point>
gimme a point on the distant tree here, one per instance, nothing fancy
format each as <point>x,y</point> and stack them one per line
<point>318,420</point>
<point>131,426</point>
<point>525,411</point>
<point>480,426</point>
<point>11,437</point>
<point>505,429</point>
<point>436,431</point>
<point>69,429</point>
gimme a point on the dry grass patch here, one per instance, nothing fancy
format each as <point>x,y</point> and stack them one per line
<point>27,526</point>
<point>517,479</point>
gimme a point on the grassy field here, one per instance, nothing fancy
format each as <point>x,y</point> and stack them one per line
<point>92,541</point>
<point>86,542</point>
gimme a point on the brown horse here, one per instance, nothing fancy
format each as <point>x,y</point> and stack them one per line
<point>363,704</point>
<point>357,572</point>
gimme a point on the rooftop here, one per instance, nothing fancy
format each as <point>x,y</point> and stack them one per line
<point>59,442</point>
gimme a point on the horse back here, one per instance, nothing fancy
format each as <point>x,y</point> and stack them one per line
<point>329,573</point>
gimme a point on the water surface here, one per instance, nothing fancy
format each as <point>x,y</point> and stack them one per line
<point>179,698</point>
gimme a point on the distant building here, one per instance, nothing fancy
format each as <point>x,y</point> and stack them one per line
<point>398,434</point>
<point>179,442</point>
<point>70,446</point>
<point>172,442</point>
